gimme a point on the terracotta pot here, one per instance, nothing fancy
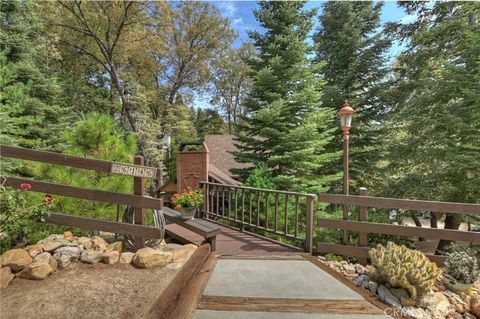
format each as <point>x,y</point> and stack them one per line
<point>188,212</point>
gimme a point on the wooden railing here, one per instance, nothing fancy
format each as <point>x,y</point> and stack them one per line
<point>363,227</point>
<point>138,200</point>
<point>285,214</point>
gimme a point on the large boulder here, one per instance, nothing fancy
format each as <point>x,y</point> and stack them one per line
<point>150,258</point>
<point>36,271</point>
<point>16,259</point>
<point>52,245</point>
<point>386,296</point>
<point>91,256</point>
<point>126,258</point>
<point>98,243</point>
<point>436,304</point>
<point>66,259</point>
<point>72,250</point>
<point>34,250</point>
<point>184,252</point>
<point>5,277</point>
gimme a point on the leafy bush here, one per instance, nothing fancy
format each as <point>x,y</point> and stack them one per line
<point>462,266</point>
<point>189,199</point>
<point>19,210</point>
<point>404,268</point>
<point>333,257</point>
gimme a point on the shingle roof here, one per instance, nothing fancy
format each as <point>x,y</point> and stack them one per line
<point>221,148</point>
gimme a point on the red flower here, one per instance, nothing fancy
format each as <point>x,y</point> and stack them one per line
<point>48,199</point>
<point>25,186</point>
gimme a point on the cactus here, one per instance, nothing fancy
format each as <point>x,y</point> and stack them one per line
<point>402,267</point>
<point>462,266</point>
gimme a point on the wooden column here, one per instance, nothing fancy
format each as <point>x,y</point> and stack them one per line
<point>309,201</point>
<point>139,189</point>
<point>363,217</point>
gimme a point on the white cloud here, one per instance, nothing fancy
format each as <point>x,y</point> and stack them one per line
<point>227,8</point>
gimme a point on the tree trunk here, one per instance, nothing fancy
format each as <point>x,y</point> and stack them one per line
<point>452,221</point>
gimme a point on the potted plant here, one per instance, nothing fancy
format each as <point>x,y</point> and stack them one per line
<point>187,203</point>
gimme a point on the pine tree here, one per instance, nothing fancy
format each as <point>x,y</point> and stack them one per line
<point>354,52</point>
<point>435,151</point>
<point>30,102</point>
<point>285,126</point>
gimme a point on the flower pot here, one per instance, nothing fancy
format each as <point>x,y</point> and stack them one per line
<point>188,212</point>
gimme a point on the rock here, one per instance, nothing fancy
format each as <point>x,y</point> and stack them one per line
<point>365,284</point>
<point>110,257</point>
<point>456,315</point>
<point>386,296</point>
<point>403,296</point>
<point>42,257</point>
<point>126,258</point>
<point>72,250</point>
<point>52,237</point>
<point>98,243</point>
<point>322,258</point>
<point>54,264</point>
<point>150,258</point>
<point>52,245</point>
<point>66,259</point>
<point>416,313</point>
<point>5,277</point>
<point>349,268</point>
<point>475,305</point>
<point>16,259</point>
<point>116,246</point>
<point>469,316</point>
<point>184,252</point>
<point>360,279</point>
<point>36,271</point>
<point>85,242</point>
<point>91,256</point>
<point>34,250</point>
<point>359,269</point>
<point>436,304</point>
<point>372,286</point>
<point>68,235</point>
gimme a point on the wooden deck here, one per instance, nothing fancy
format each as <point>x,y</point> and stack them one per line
<point>231,242</point>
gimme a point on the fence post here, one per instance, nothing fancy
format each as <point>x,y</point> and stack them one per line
<point>362,217</point>
<point>139,189</point>
<point>309,201</point>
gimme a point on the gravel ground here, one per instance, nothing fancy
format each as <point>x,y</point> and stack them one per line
<point>86,291</point>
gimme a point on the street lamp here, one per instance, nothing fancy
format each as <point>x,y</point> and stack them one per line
<point>345,114</point>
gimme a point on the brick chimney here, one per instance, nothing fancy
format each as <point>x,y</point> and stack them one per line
<point>192,167</point>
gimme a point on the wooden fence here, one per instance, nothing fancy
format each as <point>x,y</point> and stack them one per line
<point>363,227</point>
<point>286,214</point>
<point>138,200</point>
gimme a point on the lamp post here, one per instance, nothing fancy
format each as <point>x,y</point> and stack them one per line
<point>345,114</point>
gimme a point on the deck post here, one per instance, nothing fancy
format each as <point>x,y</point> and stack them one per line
<point>362,217</point>
<point>139,189</point>
<point>309,201</point>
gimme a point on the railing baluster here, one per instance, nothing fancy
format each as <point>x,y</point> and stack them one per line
<point>250,208</point>
<point>276,213</point>
<point>223,201</point>
<point>286,214</point>
<point>236,206</point>
<point>266,210</point>
<point>258,208</point>
<point>296,215</point>
<point>243,208</point>
<point>217,211</point>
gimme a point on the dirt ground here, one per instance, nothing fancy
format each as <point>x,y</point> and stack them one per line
<point>86,291</point>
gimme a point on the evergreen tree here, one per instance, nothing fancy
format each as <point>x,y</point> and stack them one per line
<point>354,52</point>
<point>30,104</point>
<point>285,126</point>
<point>208,121</point>
<point>435,153</point>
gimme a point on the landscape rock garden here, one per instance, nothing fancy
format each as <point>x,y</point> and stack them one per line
<point>56,252</point>
<point>413,286</point>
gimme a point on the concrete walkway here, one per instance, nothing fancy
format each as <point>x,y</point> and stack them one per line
<point>261,289</point>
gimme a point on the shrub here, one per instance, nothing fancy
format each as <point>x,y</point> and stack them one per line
<point>333,257</point>
<point>19,210</point>
<point>402,267</point>
<point>462,266</point>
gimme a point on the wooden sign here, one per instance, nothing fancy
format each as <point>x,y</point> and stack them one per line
<point>132,170</point>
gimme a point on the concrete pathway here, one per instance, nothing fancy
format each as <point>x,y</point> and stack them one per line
<point>261,289</point>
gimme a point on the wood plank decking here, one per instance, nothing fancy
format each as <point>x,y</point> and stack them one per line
<point>231,242</point>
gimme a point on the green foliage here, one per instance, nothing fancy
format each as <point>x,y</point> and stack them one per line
<point>471,250</point>
<point>95,136</point>
<point>208,122</point>
<point>404,268</point>
<point>462,266</point>
<point>285,124</point>
<point>260,177</point>
<point>19,211</point>
<point>188,199</point>
<point>353,48</point>
<point>333,257</point>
